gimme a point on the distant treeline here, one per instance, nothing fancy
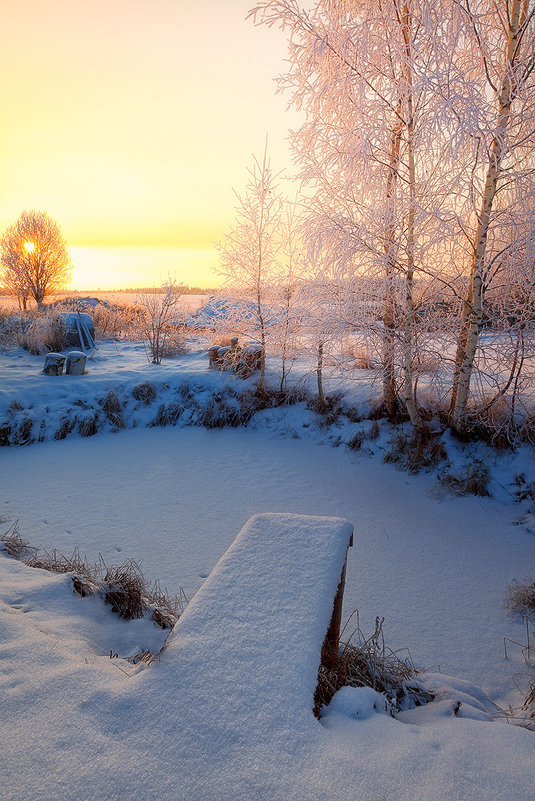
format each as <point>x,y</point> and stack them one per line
<point>184,289</point>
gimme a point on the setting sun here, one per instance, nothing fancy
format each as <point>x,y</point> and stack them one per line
<point>29,247</point>
<point>136,141</point>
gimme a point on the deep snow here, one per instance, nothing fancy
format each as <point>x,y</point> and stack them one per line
<point>77,724</point>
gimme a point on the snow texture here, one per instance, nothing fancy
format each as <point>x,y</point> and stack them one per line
<point>76,725</point>
<point>223,716</point>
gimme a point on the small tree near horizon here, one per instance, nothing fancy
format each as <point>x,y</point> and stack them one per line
<point>248,253</point>
<point>161,321</point>
<point>34,260</point>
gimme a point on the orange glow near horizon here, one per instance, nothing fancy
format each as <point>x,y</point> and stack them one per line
<point>109,268</point>
<point>138,119</point>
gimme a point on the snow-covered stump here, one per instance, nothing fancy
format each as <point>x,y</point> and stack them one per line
<point>253,636</point>
<point>75,363</point>
<point>213,356</point>
<point>54,364</point>
<point>250,360</point>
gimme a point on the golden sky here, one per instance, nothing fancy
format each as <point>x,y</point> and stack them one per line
<point>130,121</point>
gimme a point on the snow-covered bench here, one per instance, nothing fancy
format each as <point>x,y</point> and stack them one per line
<point>248,648</point>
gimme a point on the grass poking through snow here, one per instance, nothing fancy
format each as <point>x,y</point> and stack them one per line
<point>122,586</point>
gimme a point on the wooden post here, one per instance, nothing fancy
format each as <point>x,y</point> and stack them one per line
<point>329,652</point>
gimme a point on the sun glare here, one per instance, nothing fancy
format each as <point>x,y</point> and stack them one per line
<point>29,247</point>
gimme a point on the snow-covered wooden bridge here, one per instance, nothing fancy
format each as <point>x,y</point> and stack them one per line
<point>257,630</point>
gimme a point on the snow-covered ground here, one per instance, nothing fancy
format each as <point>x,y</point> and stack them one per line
<point>76,724</point>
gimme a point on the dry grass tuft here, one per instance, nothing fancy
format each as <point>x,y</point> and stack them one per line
<point>520,596</point>
<point>122,586</point>
<point>13,543</point>
<point>167,415</point>
<point>355,443</point>
<point>527,430</point>
<point>420,451</point>
<point>145,392</point>
<point>56,562</point>
<point>363,359</point>
<point>44,334</point>
<point>360,355</point>
<point>529,703</point>
<point>367,662</point>
<point>23,433</point>
<point>65,428</point>
<point>124,589</point>
<point>117,321</point>
<point>520,599</point>
<point>374,430</point>
<point>89,426</point>
<point>473,480</point>
<point>11,328</point>
<point>113,410</point>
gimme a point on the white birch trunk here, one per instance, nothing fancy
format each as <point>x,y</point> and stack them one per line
<point>408,329</point>
<point>473,307</point>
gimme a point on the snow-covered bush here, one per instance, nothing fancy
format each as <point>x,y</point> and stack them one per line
<point>161,322</point>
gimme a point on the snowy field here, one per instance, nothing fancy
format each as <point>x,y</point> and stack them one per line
<point>79,725</point>
<point>9,304</point>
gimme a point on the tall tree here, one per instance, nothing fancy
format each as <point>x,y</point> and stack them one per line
<point>34,258</point>
<point>499,104</point>
<point>289,283</point>
<point>370,149</point>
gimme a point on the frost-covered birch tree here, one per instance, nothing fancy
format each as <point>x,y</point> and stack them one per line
<point>161,320</point>
<point>288,287</point>
<point>495,104</point>
<point>372,151</point>
<point>248,254</point>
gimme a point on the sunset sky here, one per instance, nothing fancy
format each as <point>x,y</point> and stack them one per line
<point>130,122</point>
